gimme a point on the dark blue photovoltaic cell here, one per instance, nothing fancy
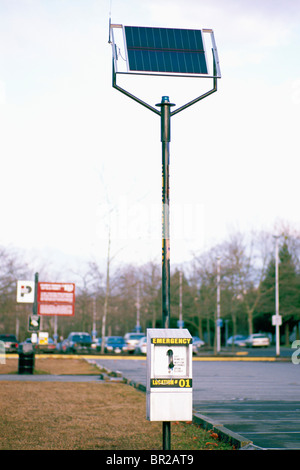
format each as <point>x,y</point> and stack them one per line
<point>165,50</point>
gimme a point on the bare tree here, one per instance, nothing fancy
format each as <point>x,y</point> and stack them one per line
<point>204,277</point>
<point>151,282</point>
<point>12,269</point>
<point>243,262</point>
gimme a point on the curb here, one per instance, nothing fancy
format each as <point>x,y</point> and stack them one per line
<point>240,442</point>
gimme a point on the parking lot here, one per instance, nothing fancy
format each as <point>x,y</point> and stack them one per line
<point>256,399</point>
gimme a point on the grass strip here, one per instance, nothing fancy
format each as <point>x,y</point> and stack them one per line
<point>86,416</point>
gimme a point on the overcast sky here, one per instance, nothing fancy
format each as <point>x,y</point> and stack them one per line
<point>74,150</point>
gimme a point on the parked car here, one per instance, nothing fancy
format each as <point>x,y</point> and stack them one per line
<point>78,342</point>
<point>197,344</point>
<point>141,347</point>
<point>96,345</point>
<point>10,343</point>
<point>258,340</point>
<point>61,347</point>
<point>50,347</point>
<point>132,340</point>
<point>237,340</point>
<point>115,344</point>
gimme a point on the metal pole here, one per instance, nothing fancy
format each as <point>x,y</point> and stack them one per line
<point>138,306</point>
<point>218,306</point>
<point>55,336</point>
<point>180,299</point>
<point>277,297</point>
<point>166,435</point>
<point>165,139</point>
<point>35,303</point>
<point>94,332</point>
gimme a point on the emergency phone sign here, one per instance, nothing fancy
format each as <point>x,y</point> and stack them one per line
<point>173,359</point>
<point>175,341</point>
<point>169,374</point>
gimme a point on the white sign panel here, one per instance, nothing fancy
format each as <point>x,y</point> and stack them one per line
<point>43,338</point>
<point>163,355</point>
<point>55,309</point>
<point>25,292</point>
<point>276,320</point>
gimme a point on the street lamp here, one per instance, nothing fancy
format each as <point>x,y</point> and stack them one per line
<point>163,52</point>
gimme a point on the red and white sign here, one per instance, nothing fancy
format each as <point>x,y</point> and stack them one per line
<point>56,298</point>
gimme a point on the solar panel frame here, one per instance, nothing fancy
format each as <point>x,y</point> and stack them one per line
<point>165,51</point>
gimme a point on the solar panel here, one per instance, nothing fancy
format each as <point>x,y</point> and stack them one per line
<point>165,50</point>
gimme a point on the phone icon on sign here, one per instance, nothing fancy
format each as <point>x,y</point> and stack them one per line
<point>170,358</point>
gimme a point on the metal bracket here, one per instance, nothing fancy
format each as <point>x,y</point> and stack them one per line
<point>151,108</point>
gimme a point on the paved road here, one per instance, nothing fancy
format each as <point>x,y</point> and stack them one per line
<point>259,400</point>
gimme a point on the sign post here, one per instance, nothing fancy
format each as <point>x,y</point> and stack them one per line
<point>35,304</point>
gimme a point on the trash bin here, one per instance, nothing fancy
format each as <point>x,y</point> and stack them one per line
<point>26,359</point>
